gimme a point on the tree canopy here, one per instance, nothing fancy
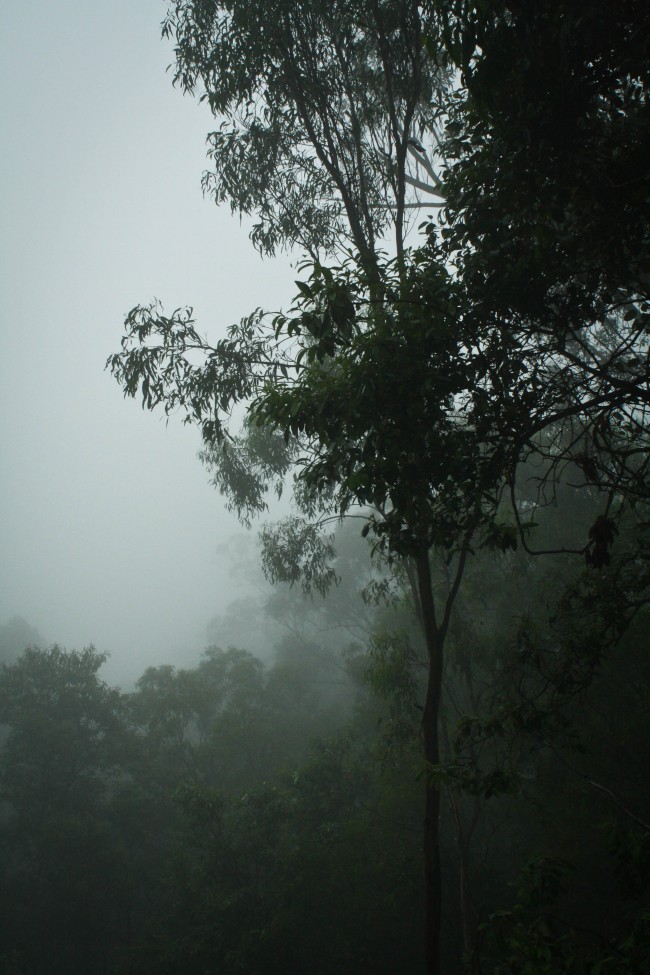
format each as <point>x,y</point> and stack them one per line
<point>547,219</point>
<point>316,103</point>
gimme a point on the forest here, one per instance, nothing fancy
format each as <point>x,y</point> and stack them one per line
<point>439,764</point>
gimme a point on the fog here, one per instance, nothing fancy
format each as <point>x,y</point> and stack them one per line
<point>422,747</point>
<point>109,530</point>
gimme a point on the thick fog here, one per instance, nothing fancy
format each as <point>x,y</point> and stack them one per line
<point>109,530</point>
<point>428,753</point>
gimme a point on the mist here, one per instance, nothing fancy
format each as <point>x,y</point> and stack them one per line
<point>109,530</point>
<point>395,720</point>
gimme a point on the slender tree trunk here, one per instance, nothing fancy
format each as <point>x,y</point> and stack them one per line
<point>465,822</point>
<point>468,915</point>
<point>432,872</point>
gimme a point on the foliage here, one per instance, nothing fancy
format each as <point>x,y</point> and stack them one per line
<point>211,835</point>
<point>63,869</point>
<point>370,402</point>
<point>315,103</point>
<point>547,224</point>
<point>532,940</point>
<point>223,724</point>
<point>548,142</point>
<point>62,722</point>
<point>278,877</point>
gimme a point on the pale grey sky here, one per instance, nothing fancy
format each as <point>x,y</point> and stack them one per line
<point>109,532</point>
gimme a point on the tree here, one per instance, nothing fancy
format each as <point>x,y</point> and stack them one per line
<point>63,866</point>
<point>395,389</point>
<point>63,723</point>
<point>323,105</point>
<point>547,146</point>
<point>362,404</point>
<point>314,867</point>
<point>225,724</point>
<point>318,102</point>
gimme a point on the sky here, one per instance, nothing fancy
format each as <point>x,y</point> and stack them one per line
<point>109,530</point>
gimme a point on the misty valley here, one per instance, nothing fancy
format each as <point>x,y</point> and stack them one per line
<point>241,815</point>
<point>415,736</point>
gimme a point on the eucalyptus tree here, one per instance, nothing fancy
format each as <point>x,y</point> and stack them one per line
<point>322,108</point>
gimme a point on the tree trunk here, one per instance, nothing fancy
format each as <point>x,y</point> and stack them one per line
<point>432,872</point>
<point>468,914</point>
